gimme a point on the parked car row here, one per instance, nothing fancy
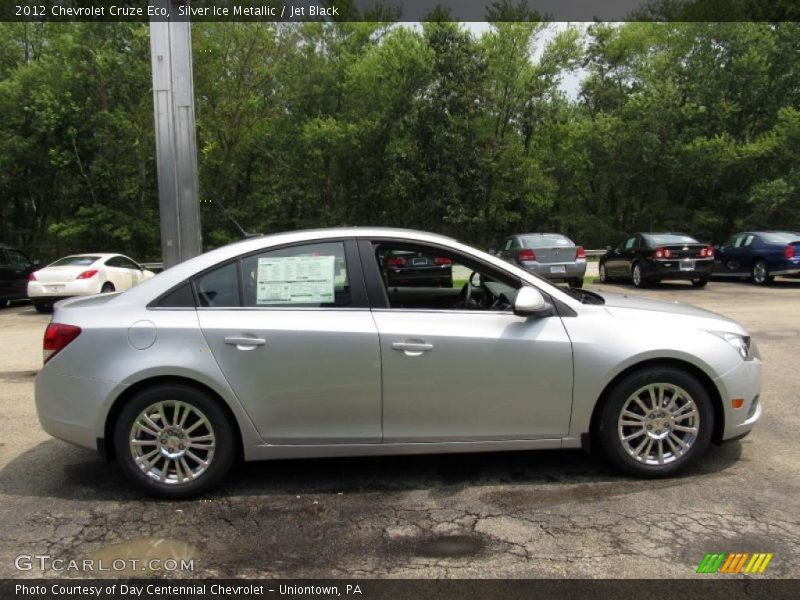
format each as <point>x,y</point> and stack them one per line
<point>650,257</point>
<point>74,275</point>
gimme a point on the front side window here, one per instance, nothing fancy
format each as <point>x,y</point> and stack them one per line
<point>310,276</point>
<point>428,278</point>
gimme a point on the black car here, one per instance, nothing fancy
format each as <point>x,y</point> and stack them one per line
<point>645,258</point>
<point>408,268</point>
<point>759,256</point>
<point>15,268</point>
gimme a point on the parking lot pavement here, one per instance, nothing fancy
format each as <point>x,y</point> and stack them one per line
<point>524,514</point>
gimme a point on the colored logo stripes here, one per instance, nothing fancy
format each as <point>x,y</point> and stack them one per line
<point>734,563</point>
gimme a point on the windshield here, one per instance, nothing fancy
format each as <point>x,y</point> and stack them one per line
<point>781,237</point>
<point>660,239</point>
<point>540,240</point>
<point>75,261</point>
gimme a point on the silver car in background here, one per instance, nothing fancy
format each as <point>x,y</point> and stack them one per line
<point>549,255</point>
<point>294,345</point>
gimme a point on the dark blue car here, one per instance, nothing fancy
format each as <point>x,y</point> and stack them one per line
<point>758,255</point>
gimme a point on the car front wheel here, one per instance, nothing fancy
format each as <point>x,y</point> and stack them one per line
<point>602,273</point>
<point>656,421</point>
<point>174,441</point>
<point>699,282</point>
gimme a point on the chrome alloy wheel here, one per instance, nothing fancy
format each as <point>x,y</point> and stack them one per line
<point>760,273</point>
<point>636,276</point>
<point>658,424</point>
<point>172,442</point>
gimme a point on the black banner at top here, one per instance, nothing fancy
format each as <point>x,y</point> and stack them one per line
<point>399,10</point>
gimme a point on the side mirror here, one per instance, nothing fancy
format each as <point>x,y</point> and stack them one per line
<point>530,303</point>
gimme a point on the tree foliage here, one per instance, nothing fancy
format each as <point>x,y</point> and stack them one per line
<point>684,126</point>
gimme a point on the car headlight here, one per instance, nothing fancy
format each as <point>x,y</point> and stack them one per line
<point>743,344</point>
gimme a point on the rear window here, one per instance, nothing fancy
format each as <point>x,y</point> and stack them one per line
<point>661,239</point>
<point>75,261</point>
<point>781,237</point>
<point>546,239</point>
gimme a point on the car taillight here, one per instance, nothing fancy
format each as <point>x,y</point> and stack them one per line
<point>526,255</point>
<point>32,277</point>
<point>707,252</point>
<point>87,274</point>
<point>789,252</point>
<point>663,253</point>
<point>396,262</point>
<point>57,336</point>
<point>441,260</point>
<point>581,252</point>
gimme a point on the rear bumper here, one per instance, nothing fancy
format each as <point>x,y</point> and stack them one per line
<point>676,268</point>
<point>433,276</point>
<point>71,408</point>
<point>63,289</point>
<point>553,271</point>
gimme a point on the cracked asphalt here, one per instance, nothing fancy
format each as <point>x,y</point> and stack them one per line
<point>505,515</point>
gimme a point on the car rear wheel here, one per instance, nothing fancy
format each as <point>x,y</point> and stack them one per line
<point>174,441</point>
<point>3,303</point>
<point>107,288</point>
<point>656,421</point>
<point>760,274</point>
<point>42,307</point>
<point>700,282</point>
<point>604,278</point>
<point>576,283</point>
<point>637,276</point>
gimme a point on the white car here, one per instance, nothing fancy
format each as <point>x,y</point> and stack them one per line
<point>81,275</point>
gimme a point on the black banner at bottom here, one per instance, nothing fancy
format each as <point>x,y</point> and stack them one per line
<point>378,589</point>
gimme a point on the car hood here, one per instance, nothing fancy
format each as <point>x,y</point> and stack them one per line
<point>631,307</point>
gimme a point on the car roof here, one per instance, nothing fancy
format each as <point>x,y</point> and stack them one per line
<point>166,280</point>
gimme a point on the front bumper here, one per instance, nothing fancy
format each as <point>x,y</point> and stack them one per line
<point>742,382</point>
<point>63,289</point>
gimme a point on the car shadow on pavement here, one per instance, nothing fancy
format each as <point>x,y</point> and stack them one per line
<point>54,469</point>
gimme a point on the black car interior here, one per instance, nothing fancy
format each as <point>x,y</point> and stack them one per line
<point>485,289</point>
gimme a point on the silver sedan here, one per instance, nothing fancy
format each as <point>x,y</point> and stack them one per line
<point>296,345</point>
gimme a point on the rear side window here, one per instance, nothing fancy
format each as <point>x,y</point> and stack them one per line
<point>309,275</point>
<point>219,288</point>
<point>181,297</point>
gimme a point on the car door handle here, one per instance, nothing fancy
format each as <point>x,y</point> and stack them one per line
<point>412,348</point>
<point>245,343</point>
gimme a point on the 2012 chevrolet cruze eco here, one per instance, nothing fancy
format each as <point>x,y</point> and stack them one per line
<point>295,345</point>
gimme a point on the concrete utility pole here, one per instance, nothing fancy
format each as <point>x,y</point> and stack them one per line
<point>176,143</point>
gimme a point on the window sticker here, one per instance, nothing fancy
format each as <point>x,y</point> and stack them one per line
<point>295,280</point>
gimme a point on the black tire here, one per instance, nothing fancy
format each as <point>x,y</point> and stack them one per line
<point>3,303</point>
<point>603,275</point>
<point>760,273</point>
<point>610,432</point>
<point>576,283</point>
<point>107,288</point>
<point>639,281</point>
<point>223,455</point>
<point>42,307</point>
<point>700,282</point>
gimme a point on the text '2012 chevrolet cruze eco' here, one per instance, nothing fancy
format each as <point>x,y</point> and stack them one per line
<point>301,345</point>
